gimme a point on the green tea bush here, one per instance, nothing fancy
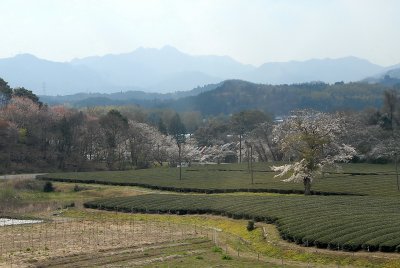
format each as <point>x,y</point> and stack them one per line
<point>336,222</point>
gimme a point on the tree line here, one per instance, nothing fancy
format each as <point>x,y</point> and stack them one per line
<point>38,137</point>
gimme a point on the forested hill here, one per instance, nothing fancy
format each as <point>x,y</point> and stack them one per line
<point>146,99</point>
<point>232,96</point>
<point>235,95</point>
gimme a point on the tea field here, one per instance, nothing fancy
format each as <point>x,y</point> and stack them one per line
<point>354,179</point>
<point>356,208</point>
<point>336,222</point>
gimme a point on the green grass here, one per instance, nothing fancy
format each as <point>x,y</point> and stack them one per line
<point>19,201</point>
<point>334,222</point>
<point>366,179</point>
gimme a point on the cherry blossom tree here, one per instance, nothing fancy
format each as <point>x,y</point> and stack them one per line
<point>314,140</point>
<point>146,144</point>
<point>22,111</point>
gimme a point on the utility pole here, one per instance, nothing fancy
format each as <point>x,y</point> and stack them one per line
<point>240,148</point>
<point>249,152</point>
<point>180,161</point>
<point>397,172</point>
<point>251,164</point>
<point>241,132</point>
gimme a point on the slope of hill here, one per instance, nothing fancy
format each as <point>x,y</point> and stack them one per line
<point>142,98</point>
<point>390,77</point>
<point>235,95</point>
<point>232,96</point>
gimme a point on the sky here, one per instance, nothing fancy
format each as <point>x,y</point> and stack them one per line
<point>250,31</point>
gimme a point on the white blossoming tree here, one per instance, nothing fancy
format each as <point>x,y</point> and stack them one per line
<point>312,139</point>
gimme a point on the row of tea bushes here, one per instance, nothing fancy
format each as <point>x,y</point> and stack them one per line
<point>335,222</point>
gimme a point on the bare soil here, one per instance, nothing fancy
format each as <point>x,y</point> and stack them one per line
<point>45,244</point>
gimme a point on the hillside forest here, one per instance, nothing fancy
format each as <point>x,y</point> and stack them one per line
<point>219,125</point>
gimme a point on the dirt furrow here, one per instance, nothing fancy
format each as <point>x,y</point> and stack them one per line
<point>118,255</point>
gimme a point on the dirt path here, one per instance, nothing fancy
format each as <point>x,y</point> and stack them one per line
<point>20,176</point>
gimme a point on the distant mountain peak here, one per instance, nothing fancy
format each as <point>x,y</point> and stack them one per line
<point>167,69</point>
<point>166,48</point>
<point>26,56</point>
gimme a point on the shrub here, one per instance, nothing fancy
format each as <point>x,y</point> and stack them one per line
<point>250,226</point>
<point>48,187</point>
<point>77,188</point>
<point>226,257</point>
<point>217,249</point>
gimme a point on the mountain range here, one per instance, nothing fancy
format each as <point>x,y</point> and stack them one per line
<point>170,70</point>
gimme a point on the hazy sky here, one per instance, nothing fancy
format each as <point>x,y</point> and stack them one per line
<point>250,31</point>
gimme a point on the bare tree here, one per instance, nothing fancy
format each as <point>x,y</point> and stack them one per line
<point>114,127</point>
<point>390,107</point>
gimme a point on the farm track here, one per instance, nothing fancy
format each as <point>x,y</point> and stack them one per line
<point>20,176</point>
<point>130,256</point>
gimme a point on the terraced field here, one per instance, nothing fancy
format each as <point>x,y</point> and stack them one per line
<point>357,208</point>
<point>335,222</point>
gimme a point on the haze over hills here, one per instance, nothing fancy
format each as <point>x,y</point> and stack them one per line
<point>232,96</point>
<point>168,70</point>
<point>390,76</point>
<point>122,98</point>
<point>42,76</point>
<point>152,68</point>
<point>326,70</point>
